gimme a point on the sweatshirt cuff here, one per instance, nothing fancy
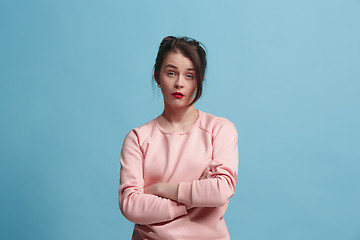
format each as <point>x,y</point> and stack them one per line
<point>184,193</point>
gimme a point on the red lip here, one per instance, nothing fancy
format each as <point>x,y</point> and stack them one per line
<point>177,94</point>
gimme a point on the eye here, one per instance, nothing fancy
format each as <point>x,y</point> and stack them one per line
<point>171,74</point>
<point>189,76</point>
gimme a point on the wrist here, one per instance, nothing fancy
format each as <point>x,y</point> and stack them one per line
<point>159,189</point>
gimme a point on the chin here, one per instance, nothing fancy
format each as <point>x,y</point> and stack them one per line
<point>179,106</point>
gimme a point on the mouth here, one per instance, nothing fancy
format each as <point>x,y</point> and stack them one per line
<point>178,95</point>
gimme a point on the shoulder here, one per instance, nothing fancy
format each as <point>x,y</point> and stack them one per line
<point>142,132</point>
<point>214,124</point>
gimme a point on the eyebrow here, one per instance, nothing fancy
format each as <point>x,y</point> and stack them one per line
<point>172,66</point>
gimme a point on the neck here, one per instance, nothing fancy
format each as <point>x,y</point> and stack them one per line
<point>182,115</point>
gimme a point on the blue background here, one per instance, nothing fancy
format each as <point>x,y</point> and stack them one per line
<point>76,77</point>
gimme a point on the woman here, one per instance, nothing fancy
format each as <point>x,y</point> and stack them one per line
<point>179,170</point>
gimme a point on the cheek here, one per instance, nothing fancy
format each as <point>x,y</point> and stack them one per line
<point>194,87</point>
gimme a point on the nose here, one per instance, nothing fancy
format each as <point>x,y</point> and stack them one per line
<point>179,83</point>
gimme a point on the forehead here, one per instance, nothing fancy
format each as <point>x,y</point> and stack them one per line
<point>178,60</point>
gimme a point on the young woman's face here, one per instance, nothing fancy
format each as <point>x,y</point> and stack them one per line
<point>177,80</point>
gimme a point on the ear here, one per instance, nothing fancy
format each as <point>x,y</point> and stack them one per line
<point>157,82</point>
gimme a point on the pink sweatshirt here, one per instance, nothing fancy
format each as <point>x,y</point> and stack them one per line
<point>150,155</point>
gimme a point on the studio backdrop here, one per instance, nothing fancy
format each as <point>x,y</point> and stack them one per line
<point>76,77</point>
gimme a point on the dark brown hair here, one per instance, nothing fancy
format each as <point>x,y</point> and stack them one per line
<point>191,49</point>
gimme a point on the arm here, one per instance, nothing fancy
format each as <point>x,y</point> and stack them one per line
<point>217,184</point>
<point>166,190</point>
<point>221,179</point>
<point>135,205</point>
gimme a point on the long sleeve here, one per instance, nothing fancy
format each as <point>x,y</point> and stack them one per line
<point>221,182</point>
<point>134,204</point>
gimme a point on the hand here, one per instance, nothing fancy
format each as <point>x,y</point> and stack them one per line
<point>152,189</point>
<point>206,174</point>
<point>166,190</point>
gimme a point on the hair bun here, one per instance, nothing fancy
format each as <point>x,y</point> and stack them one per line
<point>167,40</point>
